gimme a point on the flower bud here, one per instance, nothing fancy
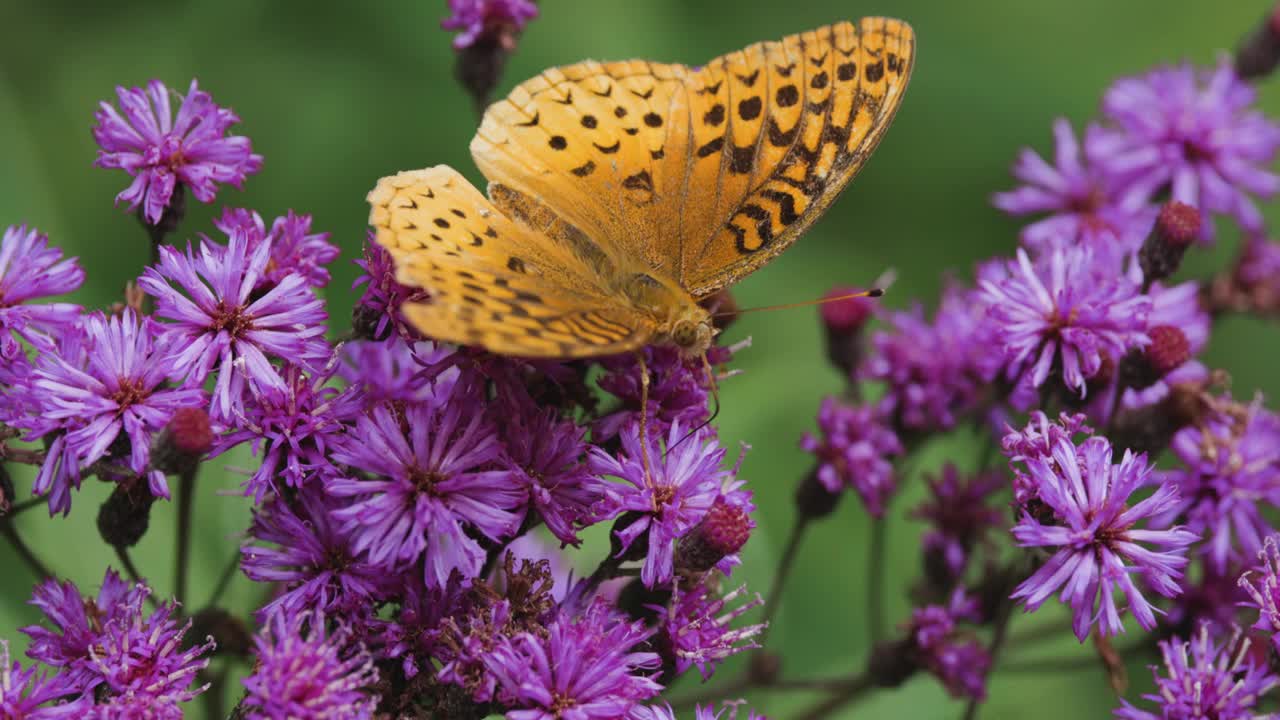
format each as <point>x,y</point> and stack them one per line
<point>638,601</point>
<point>1168,350</point>
<point>813,499</point>
<point>843,321</point>
<point>227,630</point>
<point>1177,226</point>
<point>1259,53</point>
<point>183,442</point>
<point>125,516</point>
<point>723,531</point>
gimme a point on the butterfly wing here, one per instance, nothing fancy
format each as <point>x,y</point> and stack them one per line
<point>495,283</point>
<point>703,175</point>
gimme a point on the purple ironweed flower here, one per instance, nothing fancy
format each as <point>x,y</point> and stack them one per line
<point>380,310</point>
<point>294,249</point>
<point>855,452</point>
<point>306,671</point>
<point>1212,598</point>
<point>24,693</point>
<point>391,370</point>
<point>584,668</point>
<point>1098,546</point>
<point>1082,200</point>
<point>475,18</point>
<point>1263,586</point>
<point>296,542</point>
<point>959,516</point>
<point>663,506</point>
<point>111,386</point>
<point>1064,313</point>
<point>29,270</point>
<point>545,455</point>
<point>700,712</point>
<point>1192,131</point>
<point>223,325</point>
<point>474,636</point>
<point>1206,680</point>
<point>1258,267</point>
<point>1231,474</point>
<point>958,660</point>
<point>160,151</point>
<point>677,391</point>
<point>413,633</point>
<point>145,661</point>
<point>298,423</point>
<point>436,476</point>
<point>1041,435</point>
<point>937,370</point>
<point>695,627</point>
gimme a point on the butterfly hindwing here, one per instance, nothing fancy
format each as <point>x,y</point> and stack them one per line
<point>493,282</point>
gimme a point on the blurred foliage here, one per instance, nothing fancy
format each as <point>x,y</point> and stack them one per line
<point>335,95</point>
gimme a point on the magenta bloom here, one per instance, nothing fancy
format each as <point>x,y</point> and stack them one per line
<point>684,484</point>
<point>677,391</point>
<point>29,695</point>
<point>380,310</point>
<point>29,270</point>
<point>1263,587</point>
<point>1206,679</point>
<point>1194,132</point>
<point>160,151</point>
<point>959,516</point>
<point>306,671</point>
<point>957,659</point>
<point>696,627</point>
<point>295,250</point>
<point>1066,310</point>
<point>546,454</point>
<point>1083,203</point>
<point>221,324</point>
<point>475,18</point>
<point>1098,546</point>
<point>111,386</point>
<point>297,543</point>
<point>587,663</point>
<point>855,451</point>
<point>435,477</point>
<point>1226,485</point>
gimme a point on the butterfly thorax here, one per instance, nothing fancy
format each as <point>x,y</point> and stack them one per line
<point>678,318</point>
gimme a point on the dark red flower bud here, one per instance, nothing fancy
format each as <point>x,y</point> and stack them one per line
<point>125,516</point>
<point>1259,53</point>
<point>843,321</point>
<point>183,442</point>
<point>1168,350</point>
<point>813,499</point>
<point>1177,226</point>
<point>723,531</point>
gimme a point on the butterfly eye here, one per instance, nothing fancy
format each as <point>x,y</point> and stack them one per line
<point>685,334</point>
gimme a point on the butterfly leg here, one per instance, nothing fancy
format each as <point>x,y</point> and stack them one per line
<point>644,417</point>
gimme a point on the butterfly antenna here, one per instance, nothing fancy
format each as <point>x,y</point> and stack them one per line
<point>715,398</point>
<point>872,293</point>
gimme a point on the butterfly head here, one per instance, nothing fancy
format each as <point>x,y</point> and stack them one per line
<point>692,332</point>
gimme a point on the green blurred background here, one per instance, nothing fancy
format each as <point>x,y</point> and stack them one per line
<point>335,95</point>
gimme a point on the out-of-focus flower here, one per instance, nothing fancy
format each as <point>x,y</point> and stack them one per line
<point>957,659</point>
<point>1205,679</point>
<point>855,451</point>
<point>160,150</point>
<point>219,323</point>
<point>959,516</point>
<point>695,627</point>
<point>475,18</point>
<point>295,250</point>
<point>1093,529</point>
<point>1192,131</point>
<point>30,695</point>
<point>30,270</point>
<point>305,670</point>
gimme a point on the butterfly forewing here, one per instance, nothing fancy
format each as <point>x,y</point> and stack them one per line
<point>492,282</point>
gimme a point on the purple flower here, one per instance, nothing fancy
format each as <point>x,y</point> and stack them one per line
<point>298,423</point>
<point>587,663</point>
<point>392,370</point>
<point>476,18</point>
<point>855,452</point>
<point>677,391</point>
<point>221,324</point>
<point>958,660</point>
<point>1082,201</point>
<point>436,477</point>
<point>1064,311</point>
<point>413,634</point>
<point>110,386</point>
<point>664,504</point>
<point>1206,680</point>
<point>1232,472</point>
<point>294,250</point>
<point>24,692</point>
<point>380,310</point>
<point>1099,547</point>
<point>934,371</point>
<point>296,542</point>
<point>959,517</point>
<point>545,454</point>
<point>160,151</point>
<point>29,270</point>
<point>306,671</point>
<point>1263,587</point>
<point>79,624</point>
<point>695,627</point>
<point>1193,132</point>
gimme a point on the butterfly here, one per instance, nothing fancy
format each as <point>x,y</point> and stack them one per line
<point>621,194</point>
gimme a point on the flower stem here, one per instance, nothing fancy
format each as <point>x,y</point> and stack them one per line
<point>1004,614</point>
<point>186,492</point>
<point>850,691</point>
<point>780,576</point>
<point>224,580</point>
<point>24,551</point>
<point>126,561</point>
<point>25,505</point>
<point>875,580</point>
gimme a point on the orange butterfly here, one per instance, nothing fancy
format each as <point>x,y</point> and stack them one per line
<point>623,193</point>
